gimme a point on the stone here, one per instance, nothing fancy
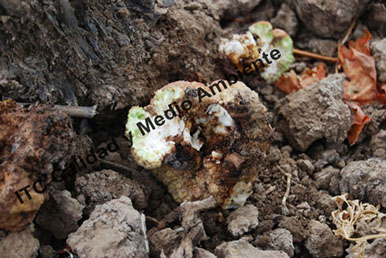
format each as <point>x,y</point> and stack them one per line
<point>286,149</point>
<point>328,18</point>
<point>286,19</point>
<point>60,215</point>
<point>365,180</point>
<point>243,220</point>
<point>114,229</point>
<point>314,113</point>
<point>20,244</point>
<point>242,249</point>
<point>321,242</point>
<point>378,48</point>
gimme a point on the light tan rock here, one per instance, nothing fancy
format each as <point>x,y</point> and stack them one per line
<point>114,229</point>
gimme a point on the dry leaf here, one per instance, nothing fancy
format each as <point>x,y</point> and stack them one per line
<point>359,67</point>
<point>359,119</point>
<point>309,76</point>
<point>290,82</point>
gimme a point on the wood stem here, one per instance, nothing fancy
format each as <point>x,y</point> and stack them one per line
<point>77,111</point>
<point>315,56</point>
<point>74,111</point>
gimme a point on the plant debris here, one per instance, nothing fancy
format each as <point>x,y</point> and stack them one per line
<point>260,37</point>
<point>202,151</point>
<point>358,222</point>
<point>359,119</point>
<point>32,143</point>
<point>290,81</point>
<point>359,67</point>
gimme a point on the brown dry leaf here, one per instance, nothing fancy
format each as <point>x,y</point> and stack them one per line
<point>359,67</point>
<point>309,76</point>
<point>290,82</point>
<point>359,119</point>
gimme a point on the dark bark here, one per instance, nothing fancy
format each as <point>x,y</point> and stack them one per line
<point>109,53</point>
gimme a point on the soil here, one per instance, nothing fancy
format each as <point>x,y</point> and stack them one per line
<point>115,54</point>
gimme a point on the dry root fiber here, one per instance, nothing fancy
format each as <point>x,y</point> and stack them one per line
<point>358,222</point>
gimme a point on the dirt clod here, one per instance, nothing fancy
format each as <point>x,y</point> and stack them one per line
<point>60,214</point>
<point>286,19</point>
<point>164,241</point>
<point>379,51</point>
<point>324,177</point>
<point>105,185</point>
<point>243,220</point>
<point>306,165</point>
<point>378,144</point>
<point>20,244</point>
<point>325,47</point>
<point>293,225</point>
<point>241,249</point>
<point>47,251</point>
<point>376,18</point>
<point>320,239</point>
<point>114,229</point>
<point>281,239</point>
<point>328,18</point>
<point>316,112</point>
<point>374,250</point>
<point>365,180</point>
<point>202,253</point>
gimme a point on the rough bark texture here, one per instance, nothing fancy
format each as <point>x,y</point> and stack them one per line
<point>109,53</point>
